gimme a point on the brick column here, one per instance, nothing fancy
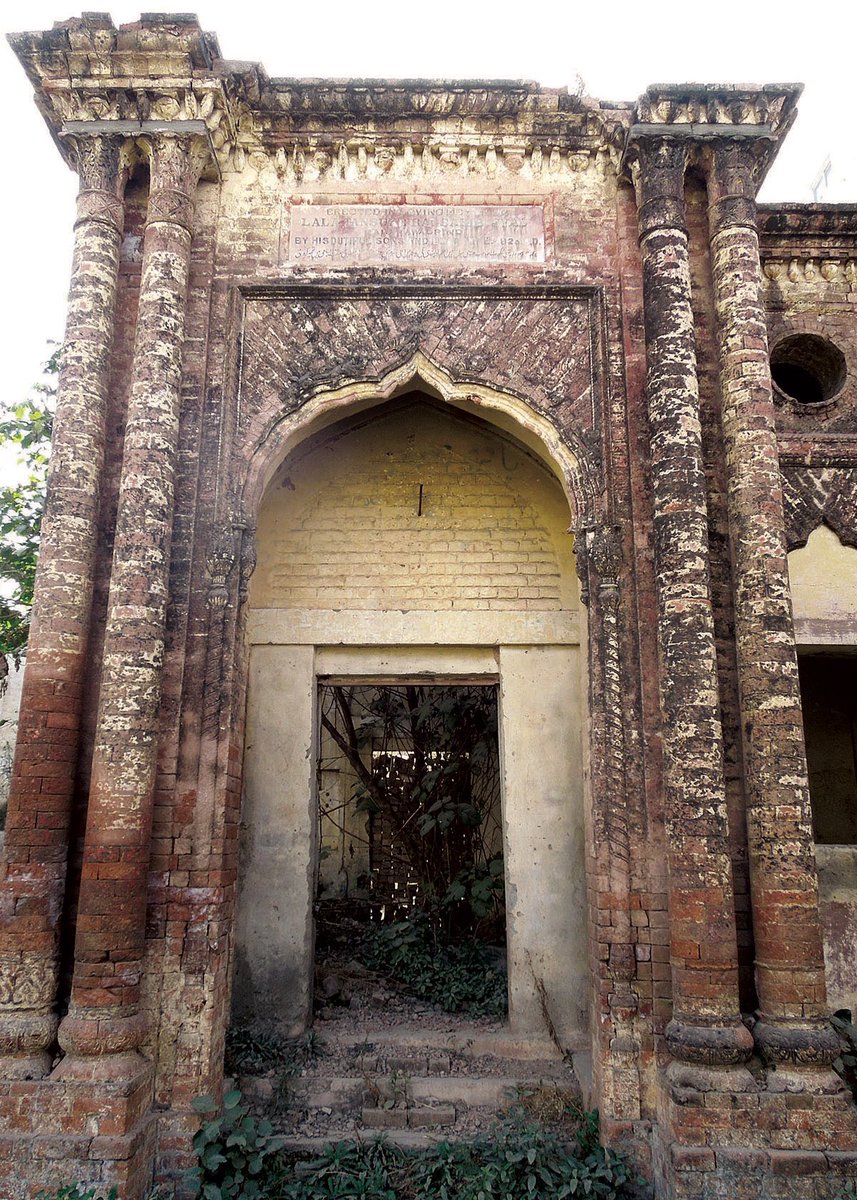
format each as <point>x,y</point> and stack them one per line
<point>33,873</point>
<point>706,1027</point>
<point>104,1016</point>
<point>598,548</point>
<point>784,886</point>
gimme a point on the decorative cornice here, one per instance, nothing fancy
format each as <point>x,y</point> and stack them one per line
<point>700,114</point>
<point>154,73</point>
<point>164,67</point>
<point>809,243</point>
<point>724,108</point>
<point>384,99</point>
<point>384,158</point>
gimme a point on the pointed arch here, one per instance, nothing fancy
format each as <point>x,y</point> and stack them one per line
<point>563,454</point>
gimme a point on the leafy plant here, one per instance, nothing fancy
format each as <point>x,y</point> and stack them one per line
<point>254,1049</point>
<point>26,431</point>
<point>344,1171</point>
<point>461,977</point>
<point>517,1158</point>
<point>481,886</point>
<point>231,1148</point>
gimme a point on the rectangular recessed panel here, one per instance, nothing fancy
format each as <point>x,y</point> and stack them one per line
<point>414,233</point>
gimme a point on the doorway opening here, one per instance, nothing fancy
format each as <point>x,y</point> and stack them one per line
<point>828,683</point>
<point>410,880</point>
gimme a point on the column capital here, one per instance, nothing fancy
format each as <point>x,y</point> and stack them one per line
<point>734,170</point>
<point>98,159</point>
<point>598,545</point>
<point>657,164</point>
<point>220,558</point>
<point>176,161</point>
<point>247,559</point>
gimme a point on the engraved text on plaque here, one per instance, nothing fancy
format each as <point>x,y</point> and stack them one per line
<point>412,233</point>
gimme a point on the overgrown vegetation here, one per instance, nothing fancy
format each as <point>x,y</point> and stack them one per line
<point>231,1147</point>
<point>516,1158</point>
<point>26,432</point>
<point>426,767</point>
<point>254,1049</point>
<point>461,976</point>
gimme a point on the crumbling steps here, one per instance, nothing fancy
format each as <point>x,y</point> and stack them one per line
<point>403,1101</point>
<point>475,1042</point>
<point>415,1085</point>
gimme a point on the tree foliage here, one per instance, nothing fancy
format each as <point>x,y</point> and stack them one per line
<point>25,437</point>
<point>425,761</point>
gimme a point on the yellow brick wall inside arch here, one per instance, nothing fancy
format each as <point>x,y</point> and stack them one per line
<point>415,508</point>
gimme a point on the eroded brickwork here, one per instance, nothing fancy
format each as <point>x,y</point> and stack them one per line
<point>621,332</point>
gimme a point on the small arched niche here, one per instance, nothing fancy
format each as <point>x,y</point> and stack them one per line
<point>416,541</point>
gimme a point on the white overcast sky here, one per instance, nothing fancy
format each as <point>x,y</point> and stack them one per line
<point>618,47</point>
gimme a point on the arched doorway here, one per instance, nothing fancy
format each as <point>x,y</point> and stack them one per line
<point>415,541</point>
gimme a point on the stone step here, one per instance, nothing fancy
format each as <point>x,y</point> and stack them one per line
<point>415,1116</point>
<point>496,1041</point>
<point>407,1139</point>
<point>342,1091</point>
<point>438,1062</point>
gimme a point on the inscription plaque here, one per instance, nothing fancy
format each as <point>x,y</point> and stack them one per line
<point>414,233</point>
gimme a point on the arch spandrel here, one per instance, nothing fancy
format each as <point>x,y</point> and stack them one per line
<point>562,452</point>
<point>530,356</point>
<point>815,496</point>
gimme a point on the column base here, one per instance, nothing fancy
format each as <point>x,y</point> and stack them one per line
<point>125,1069</point>
<point>813,1044</point>
<point>25,1041</point>
<point>92,1032</point>
<point>25,1066</point>
<point>711,1043</point>
<point>693,1079</point>
<point>738,1132</point>
<point>702,1172</point>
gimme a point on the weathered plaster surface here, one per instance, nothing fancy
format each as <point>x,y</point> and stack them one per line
<point>202,350</point>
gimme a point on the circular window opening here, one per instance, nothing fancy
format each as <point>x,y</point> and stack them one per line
<point>807,368</point>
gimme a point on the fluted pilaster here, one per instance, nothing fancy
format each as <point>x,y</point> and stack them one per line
<point>706,1027</point>
<point>104,1016</point>
<point>40,803</point>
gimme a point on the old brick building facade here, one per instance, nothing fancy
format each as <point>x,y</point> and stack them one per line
<point>473,278</point>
